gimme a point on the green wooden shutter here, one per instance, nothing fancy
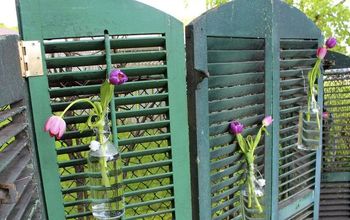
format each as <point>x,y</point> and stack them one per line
<point>245,60</point>
<point>297,167</point>
<point>226,75</point>
<point>299,171</point>
<point>19,198</point>
<point>148,113</point>
<point>236,87</point>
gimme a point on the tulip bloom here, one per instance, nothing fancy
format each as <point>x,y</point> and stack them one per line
<point>325,115</point>
<point>267,121</point>
<point>331,42</point>
<point>236,127</point>
<point>321,52</point>
<point>117,77</point>
<point>56,126</point>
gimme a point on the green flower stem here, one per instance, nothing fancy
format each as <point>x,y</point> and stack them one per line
<point>248,146</point>
<point>103,159</point>
<point>249,193</point>
<point>100,128</point>
<point>77,101</point>
<point>308,116</point>
<point>100,110</point>
<point>252,194</point>
<point>311,100</point>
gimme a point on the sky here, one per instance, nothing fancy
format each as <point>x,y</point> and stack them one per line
<point>176,8</point>
<point>8,13</point>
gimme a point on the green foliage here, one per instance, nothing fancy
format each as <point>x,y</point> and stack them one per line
<point>2,25</point>
<point>215,3</point>
<point>332,18</point>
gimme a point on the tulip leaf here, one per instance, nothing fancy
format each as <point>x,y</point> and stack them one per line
<point>257,138</point>
<point>99,107</point>
<point>265,130</point>
<point>106,94</point>
<point>242,143</point>
<point>250,142</point>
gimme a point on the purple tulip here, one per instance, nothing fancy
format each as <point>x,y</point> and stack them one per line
<point>117,77</point>
<point>331,42</point>
<point>321,52</point>
<point>236,127</point>
<point>267,121</point>
<point>56,126</point>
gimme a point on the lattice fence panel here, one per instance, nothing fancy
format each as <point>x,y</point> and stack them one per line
<point>336,135</point>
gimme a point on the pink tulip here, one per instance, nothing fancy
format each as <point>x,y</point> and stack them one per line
<point>321,52</point>
<point>267,121</point>
<point>236,127</point>
<point>117,77</point>
<point>56,126</point>
<point>325,115</point>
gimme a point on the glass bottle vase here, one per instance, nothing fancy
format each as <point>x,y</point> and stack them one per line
<point>107,190</point>
<point>309,134</point>
<point>250,210</point>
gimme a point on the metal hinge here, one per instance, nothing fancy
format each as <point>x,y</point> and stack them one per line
<point>30,58</point>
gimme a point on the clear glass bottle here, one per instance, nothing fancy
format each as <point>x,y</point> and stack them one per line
<point>252,211</point>
<point>309,126</point>
<point>106,187</point>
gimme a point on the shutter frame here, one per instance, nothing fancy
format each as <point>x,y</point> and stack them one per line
<point>149,22</point>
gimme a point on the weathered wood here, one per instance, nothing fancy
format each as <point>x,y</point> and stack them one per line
<point>8,193</point>
<point>35,212</point>
<point>24,187</point>
<point>10,152</point>
<point>255,64</point>
<point>11,112</point>
<point>11,130</point>
<point>16,178</point>
<point>11,173</point>
<point>20,208</point>
<point>298,202</point>
<point>10,74</point>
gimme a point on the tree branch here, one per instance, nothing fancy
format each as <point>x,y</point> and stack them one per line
<point>340,3</point>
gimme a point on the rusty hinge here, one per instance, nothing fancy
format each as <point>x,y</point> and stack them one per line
<point>30,58</point>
